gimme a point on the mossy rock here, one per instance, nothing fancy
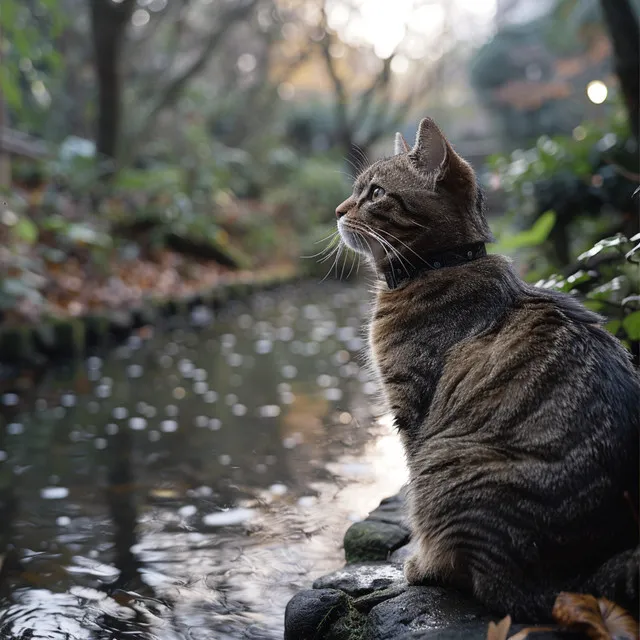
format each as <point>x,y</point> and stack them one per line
<point>373,541</point>
<point>17,345</point>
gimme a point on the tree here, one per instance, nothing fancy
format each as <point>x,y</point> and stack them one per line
<point>111,26</point>
<point>109,20</point>
<point>623,28</point>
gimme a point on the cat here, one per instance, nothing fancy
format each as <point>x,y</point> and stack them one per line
<point>519,413</point>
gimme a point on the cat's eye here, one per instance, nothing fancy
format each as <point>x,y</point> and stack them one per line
<point>377,192</point>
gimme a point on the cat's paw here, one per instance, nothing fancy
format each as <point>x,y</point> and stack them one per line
<point>413,570</point>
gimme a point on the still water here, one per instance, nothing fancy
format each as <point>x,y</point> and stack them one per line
<point>185,486</point>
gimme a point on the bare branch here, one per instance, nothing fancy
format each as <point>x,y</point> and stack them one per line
<point>173,90</point>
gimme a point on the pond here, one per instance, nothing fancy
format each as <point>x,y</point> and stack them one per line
<point>187,484</point>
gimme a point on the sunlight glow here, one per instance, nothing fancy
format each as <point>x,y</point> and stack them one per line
<point>413,27</point>
<point>597,91</point>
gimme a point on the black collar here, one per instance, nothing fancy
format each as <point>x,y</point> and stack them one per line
<point>396,273</point>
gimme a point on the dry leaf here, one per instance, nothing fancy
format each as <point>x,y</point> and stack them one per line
<point>499,631</point>
<point>599,619</point>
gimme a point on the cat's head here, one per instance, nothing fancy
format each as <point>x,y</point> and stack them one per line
<point>422,199</point>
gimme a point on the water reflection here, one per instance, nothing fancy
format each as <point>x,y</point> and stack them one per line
<point>187,485</point>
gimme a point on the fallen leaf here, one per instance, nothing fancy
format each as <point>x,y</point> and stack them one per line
<point>499,631</point>
<point>599,619</point>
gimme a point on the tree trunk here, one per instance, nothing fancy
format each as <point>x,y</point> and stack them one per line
<point>624,32</point>
<point>109,24</point>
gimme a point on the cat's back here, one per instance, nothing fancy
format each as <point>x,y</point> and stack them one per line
<point>546,378</point>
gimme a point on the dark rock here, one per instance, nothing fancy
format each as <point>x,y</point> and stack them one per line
<point>391,510</point>
<point>361,578</point>
<point>400,555</point>
<point>422,609</point>
<point>372,540</point>
<point>308,613</point>
<point>365,603</point>
<point>478,631</point>
<point>468,631</point>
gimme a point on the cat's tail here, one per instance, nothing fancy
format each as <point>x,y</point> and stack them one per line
<point>617,580</point>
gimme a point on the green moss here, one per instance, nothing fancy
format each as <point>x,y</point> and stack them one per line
<point>370,540</point>
<point>348,626</point>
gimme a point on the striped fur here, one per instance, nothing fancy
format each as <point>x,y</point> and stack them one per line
<point>519,414</point>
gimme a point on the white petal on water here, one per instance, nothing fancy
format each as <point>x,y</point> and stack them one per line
<point>269,411</point>
<point>228,518</point>
<point>239,410</point>
<point>137,423</point>
<point>187,511</point>
<point>68,400</point>
<point>278,489</point>
<point>54,493</point>
<point>289,371</point>
<point>120,413</point>
<point>333,394</point>
<point>15,428</point>
<point>168,426</point>
<point>10,399</point>
<point>135,371</point>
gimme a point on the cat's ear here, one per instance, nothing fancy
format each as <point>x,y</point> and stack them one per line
<point>430,151</point>
<point>401,145</point>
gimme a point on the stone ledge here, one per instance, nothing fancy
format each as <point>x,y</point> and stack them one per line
<point>56,338</point>
<point>369,599</point>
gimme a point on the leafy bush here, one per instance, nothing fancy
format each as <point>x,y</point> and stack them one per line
<point>311,194</point>
<point>586,180</point>
<point>607,279</point>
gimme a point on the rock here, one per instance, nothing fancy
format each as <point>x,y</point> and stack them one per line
<point>365,603</point>
<point>478,631</point>
<point>400,555</point>
<point>391,510</point>
<point>308,612</point>
<point>468,631</point>
<point>422,609</point>
<point>372,540</point>
<point>361,578</point>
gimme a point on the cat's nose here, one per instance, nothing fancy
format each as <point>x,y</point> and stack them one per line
<point>344,207</point>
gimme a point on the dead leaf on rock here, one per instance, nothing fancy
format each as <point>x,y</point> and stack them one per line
<point>599,619</point>
<point>499,631</point>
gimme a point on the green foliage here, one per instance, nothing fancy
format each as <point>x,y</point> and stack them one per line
<point>528,238</point>
<point>582,178</point>
<point>310,195</point>
<point>29,62</point>
<point>607,280</point>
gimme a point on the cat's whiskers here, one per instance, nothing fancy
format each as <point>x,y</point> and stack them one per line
<point>394,251</point>
<point>331,244</point>
<point>405,245</point>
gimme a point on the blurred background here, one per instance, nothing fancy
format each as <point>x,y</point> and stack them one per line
<point>157,156</point>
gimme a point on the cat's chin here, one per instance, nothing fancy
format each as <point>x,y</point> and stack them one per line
<point>352,240</point>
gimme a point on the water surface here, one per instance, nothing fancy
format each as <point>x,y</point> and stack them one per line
<point>189,483</point>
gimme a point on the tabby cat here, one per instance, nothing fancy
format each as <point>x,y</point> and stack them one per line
<point>519,413</point>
